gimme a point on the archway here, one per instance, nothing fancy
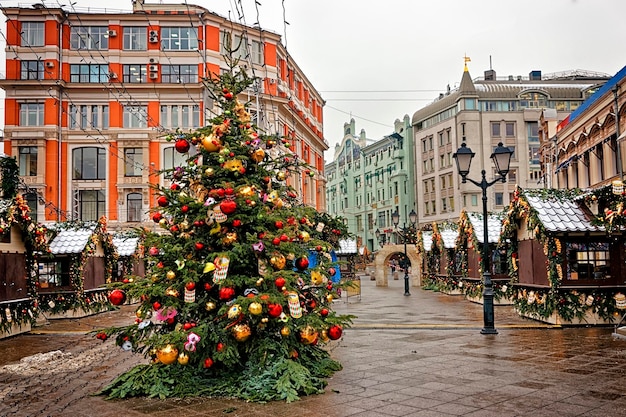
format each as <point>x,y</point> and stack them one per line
<point>383,272</point>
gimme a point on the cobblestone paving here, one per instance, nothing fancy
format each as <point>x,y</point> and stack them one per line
<point>437,364</point>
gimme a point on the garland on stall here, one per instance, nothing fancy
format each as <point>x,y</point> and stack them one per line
<point>466,235</point>
<point>570,305</point>
<point>16,212</point>
<point>610,201</point>
<point>93,301</point>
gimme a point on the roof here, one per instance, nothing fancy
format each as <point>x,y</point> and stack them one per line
<point>494,226</point>
<point>125,246</point>
<point>71,241</point>
<point>347,247</point>
<point>427,237</point>
<point>561,215</point>
<point>449,238</point>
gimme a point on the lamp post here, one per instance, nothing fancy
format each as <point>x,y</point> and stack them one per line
<point>381,237</point>
<point>395,219</point>
<point>501,157</point>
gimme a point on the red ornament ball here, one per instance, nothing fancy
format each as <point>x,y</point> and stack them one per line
<point>156,217</point>
<point>228,206</point>
<point>280,282</point>
<point>302,263</point>
<point>334,332</point>
<point>274,310</point>
<point>208,362</point>
<point>162,201</point>
<point>182,145</point>
<point>117,297</point>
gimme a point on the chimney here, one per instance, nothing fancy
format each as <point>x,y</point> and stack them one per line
<point>535,75</point>
<point>490,75</point>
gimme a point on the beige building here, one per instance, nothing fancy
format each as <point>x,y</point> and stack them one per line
<point>581,150</point>
<point>482,113</point>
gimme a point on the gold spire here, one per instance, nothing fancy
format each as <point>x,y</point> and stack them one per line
<point>466,59</point>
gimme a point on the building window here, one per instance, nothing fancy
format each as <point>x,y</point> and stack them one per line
<point>242,48</point>
<point>133,162</point>
<point>495,130</point>
<point>588,261</point>
<point>173,158</point>
<point>509,129</point>
<point>135,38</point>
<point>88,117</point>
<point>444,205</point>
<point>89,73</point>
<point>451,203</point>
<point>28,161</point>
<point>381,219</point>
<point>32,34</point>
<point>134,73</point>
<point>499,198</point>
<point>91,204</point>
<point>53,274</point>
<point>89,163</point>
<point>31,200</point>
<point>135,117</point>
<point>133,204</point>
<point>513,176</point>
<point>179,39</point>
<point>179,74</point>
<point>89,37</point>
<point>31,114</point>
<point>186,116</point>
<point>31,70</point>
<point>474,200</point>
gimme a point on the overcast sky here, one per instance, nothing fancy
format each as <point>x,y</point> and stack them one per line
<point>376,61</point>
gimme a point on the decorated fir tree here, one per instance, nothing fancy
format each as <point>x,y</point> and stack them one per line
<point>237,298</point>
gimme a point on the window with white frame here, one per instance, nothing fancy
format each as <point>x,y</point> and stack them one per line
<point>134,73</point>
<point>173,158</point>
<point>185,116</point>
<point>31,70</point>
<point>175,74</point>
<point>32,34</point>
<point>89,163</point>
<point>31,114</point>
<point>135,117</point>
<point>54,273</point>
<point>135,38</point>
<point>89,73</point>
<point>133,162</point>
<point>92,204</point>
<point>133,206</point>
<point>241,47</point>
<point>88,116</point>
<point>28,161</point>
<point>179,38</point>
<point>89,37</point>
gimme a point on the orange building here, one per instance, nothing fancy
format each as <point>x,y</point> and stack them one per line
<point>90,98</point>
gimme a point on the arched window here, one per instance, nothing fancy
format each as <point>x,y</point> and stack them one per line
<point>133,205</point>
<point>89,163</point>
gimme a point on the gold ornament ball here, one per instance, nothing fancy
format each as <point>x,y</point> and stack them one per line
<point>230,238</point>
<point>172,292</point>
<point>209,172</point>
<point>258,155</point>
<point>316,278</point>
<point>278,261</point>
<point>211,143</point>
<point>255,308</point>
<point>329,298</point>
<point>183,358</point>
<point>246,191</point>
<point>209,306</point>
<point>234,311</point>
<point>233,165</point>
<point>265,320</point>
<point>285,331</point>
<point>259,282</point>
<point>163,223</point>
<point>167,354</point>
<point>241,332</point>
<point>324,336</point>
<point>308,335</point>
<point>305,236</point>
<point>170,275</point>
<point>280,176</point>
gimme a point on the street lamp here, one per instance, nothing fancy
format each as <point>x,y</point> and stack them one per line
<point>395,219</point>
<point>381,237</point>
<point>501,158</point>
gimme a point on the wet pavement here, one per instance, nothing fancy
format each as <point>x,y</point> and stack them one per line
<point>418,355</point>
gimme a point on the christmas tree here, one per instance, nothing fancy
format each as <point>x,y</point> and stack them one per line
<point>237,298</point>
